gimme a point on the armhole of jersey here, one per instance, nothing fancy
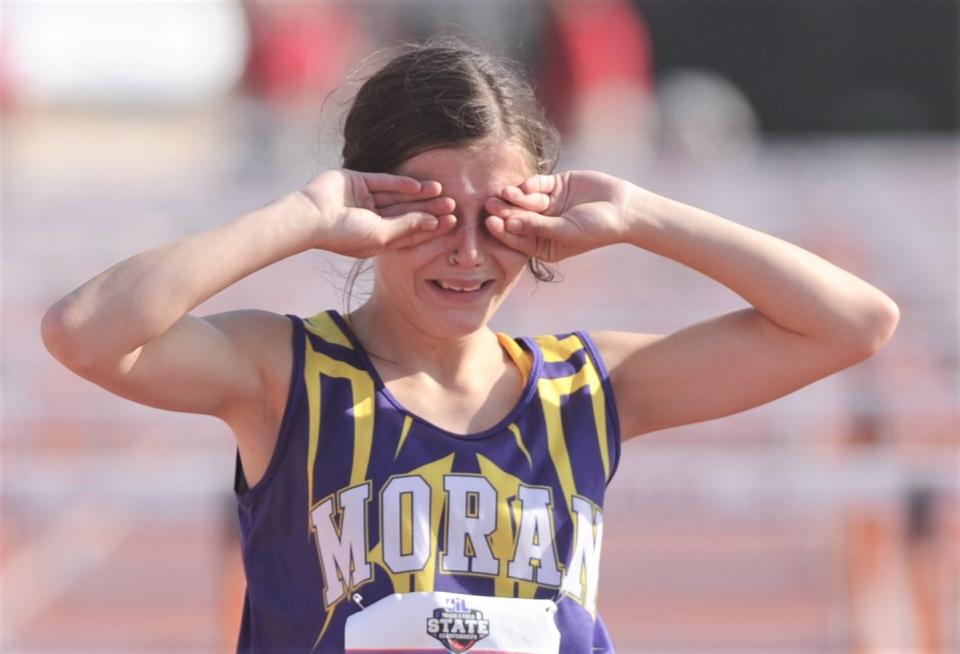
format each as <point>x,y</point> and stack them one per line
<point>613,418</point>
<point>523,359</point>
<point>243,492</point>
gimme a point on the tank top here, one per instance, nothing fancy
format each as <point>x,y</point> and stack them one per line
<point>364,500</point>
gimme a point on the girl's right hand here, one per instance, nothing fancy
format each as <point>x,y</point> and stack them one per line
<point>363,214</point>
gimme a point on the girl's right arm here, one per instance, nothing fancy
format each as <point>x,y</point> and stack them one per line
<point>128,329</point>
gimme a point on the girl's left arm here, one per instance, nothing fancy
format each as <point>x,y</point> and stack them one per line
<point>809,318</point>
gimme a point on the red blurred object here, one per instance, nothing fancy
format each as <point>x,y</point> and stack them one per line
<point>299,50</point>
<point>594,44</point>
<point>6,99</point>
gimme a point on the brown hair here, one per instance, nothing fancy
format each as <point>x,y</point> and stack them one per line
<point>444,93</point>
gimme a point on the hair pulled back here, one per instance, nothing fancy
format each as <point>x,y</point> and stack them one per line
<point>444,93</point>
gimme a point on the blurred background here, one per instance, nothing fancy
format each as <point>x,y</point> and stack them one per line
<point>825,522</point>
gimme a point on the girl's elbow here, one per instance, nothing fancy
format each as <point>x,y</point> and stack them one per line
<point>891,321</point>
<point>880,325</point>
<point>58,331</point>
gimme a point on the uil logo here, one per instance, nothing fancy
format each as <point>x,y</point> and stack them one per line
<point>457,627</point>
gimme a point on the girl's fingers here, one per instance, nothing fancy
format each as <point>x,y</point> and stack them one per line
<point>515,217</point>
<point>413,228</point>
<point>519,222</point>
<point>532,201</point>
<point>378,182</point>
<point>529,223</point>
<point>499,207</point>
<point>435,206</point>
<point>546,184</point>
<point>526,244</point>
<point>428,189</point>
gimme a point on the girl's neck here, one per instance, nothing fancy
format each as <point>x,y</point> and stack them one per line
<point>396,343</point>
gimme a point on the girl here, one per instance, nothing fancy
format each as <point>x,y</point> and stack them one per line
<point>407,477</point>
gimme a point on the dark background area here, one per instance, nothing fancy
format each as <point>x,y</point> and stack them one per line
<point>820,65</point>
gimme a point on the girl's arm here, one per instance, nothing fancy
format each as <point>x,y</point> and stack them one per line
<point>808,319</point>
<point>128,330</point>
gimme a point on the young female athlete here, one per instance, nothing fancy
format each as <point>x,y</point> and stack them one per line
<point>408,478</point>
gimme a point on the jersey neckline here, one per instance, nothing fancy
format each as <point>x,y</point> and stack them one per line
<point>529,389</point>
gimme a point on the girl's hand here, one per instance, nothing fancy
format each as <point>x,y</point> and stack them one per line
<point>553,217</point>
<point>362,214</point>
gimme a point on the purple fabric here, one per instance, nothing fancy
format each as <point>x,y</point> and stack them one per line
<point>285,609</point>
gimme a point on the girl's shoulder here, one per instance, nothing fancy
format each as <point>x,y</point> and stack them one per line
<point>574,348</point>
<point>330,327</point>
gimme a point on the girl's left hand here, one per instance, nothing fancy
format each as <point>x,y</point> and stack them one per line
<point>553,217</point>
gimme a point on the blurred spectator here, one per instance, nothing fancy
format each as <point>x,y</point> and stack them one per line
<point>702,114</point>
<point>299,51</point>
<point>507,27</point>
<point>596,75</point>
<point>6,100</point>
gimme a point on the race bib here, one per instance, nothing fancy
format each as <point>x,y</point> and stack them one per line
<point>441,623</point>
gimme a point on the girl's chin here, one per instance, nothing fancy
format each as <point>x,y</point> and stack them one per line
<point>454,324</point>
<point>446,321</point>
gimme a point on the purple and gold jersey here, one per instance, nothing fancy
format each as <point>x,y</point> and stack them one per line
<point>363,499</point>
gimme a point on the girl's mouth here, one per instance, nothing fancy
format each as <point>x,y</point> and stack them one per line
<point>462,289</point>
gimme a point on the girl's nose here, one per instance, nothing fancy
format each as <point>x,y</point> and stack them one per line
<point>466,248</point>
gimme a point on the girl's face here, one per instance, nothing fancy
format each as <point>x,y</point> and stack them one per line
<point>451,285</point>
